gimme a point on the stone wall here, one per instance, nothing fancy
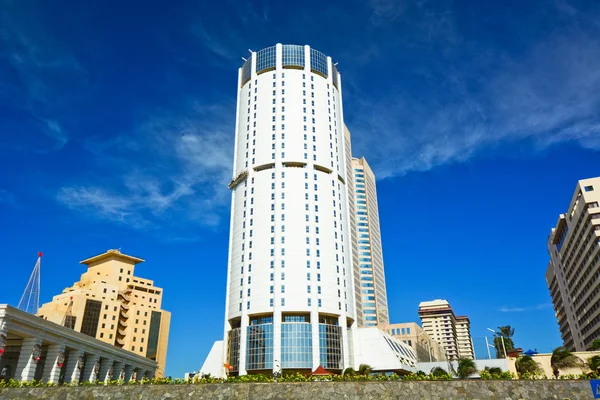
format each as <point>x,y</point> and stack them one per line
<point>410,390</point>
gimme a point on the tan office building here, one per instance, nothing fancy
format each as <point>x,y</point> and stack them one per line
<point>371,296</point>
<point>412,334</point>
<point>116,307</point>
<point>451,332</point>
<point>573,274</point>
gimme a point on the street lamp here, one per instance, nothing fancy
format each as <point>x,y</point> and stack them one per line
<point>488,345</point>
<point>502,337</point>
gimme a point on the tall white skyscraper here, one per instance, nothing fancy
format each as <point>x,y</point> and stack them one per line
<point>290,292</point>
<point>369,276</point>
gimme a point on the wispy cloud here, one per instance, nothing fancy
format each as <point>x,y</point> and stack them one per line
<point>473,97</point>
<point>8,198</point>
<point>525,309</point>
<point>174,167</point>
<point>48,76</point>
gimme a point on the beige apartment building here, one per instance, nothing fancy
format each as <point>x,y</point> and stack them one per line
<point>371,298</point>
<point>451,332</point>
<point>412,334</point>
<point>113,305</point>
<point>463,337</point>
<point>573,274</point>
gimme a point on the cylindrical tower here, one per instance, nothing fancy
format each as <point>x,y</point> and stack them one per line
<point>290,297</point>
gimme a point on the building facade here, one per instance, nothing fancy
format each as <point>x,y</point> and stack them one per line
<point>371,295</point>
<point>110,304</point>
<point>411,334</point>
<point>463,337</point>
<point>33,348</point>
<point>440,323</point>
<point>574,269</point>
<point>290,292</point>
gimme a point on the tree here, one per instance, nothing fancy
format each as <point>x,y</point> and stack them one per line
<point>527,365</point>
<point>466,368</point>
<point>595,345</point>
<point>563,358</point>
<point>364,369</point>
<point>505,334</point>
<point>438,372</point>
<point>594,363</point>
<point>349,371</point>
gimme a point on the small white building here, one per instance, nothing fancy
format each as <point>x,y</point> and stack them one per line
<point>34,348</point>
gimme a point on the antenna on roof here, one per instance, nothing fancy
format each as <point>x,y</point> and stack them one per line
<point>250,51</point>
<point>336,63</point>
<point>244,59</point>
<point>30,301</point>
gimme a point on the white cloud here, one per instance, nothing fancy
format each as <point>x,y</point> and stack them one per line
<point>174,167</point>
<point>526,309</point>
<point>473,98</point>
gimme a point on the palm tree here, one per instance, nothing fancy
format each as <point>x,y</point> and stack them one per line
<point>504,334</point>
<point>594,363</point>
<point>466,368</point>
<point>438,371</point>
<point>364,369</point>
<point>563,358</point>
<point>349,371</point>
<point>527,365</point>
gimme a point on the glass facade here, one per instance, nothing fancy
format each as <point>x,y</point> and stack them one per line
<point>330,343</point>
<point>153,335</point>
<point>265,59</point>
<point>334,76</point>
<point>70,321</point>
<point>259,349</point>
<point>91,316</point>
<point>318,62</point>
<point>296,345</point>
<point>234,348</point>
<point>247,71</point>
<point>292,55</point>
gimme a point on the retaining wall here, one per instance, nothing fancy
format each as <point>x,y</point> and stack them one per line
<point>410,390</point>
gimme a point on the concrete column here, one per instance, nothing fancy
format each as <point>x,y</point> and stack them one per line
<point>73,366</point>
<point>54,360</point>
<point>106,372</point>
<point>89,368</point>
<point>118,370</point>
<point>140,373</point>
<point>27,365</point>
<point>128,372</point>
<point>150,374</point>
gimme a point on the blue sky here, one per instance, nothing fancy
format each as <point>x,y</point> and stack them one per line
<point>117,128</point>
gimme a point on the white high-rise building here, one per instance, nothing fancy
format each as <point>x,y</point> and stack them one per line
<point>369,276</point>
<point>574,269</point>
<point>290,291</point>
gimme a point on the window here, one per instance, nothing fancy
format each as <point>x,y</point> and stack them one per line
<point>589,188</point>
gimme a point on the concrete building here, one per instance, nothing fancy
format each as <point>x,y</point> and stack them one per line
<point>463,337</point>
<point>573,273</point>
<point>370,291</point>
<point>411,334</point>
<point>372,346</point>
<point>34,348</point>
<point>290,290</point>
<point>440,323</point>
<point>112,305</point>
